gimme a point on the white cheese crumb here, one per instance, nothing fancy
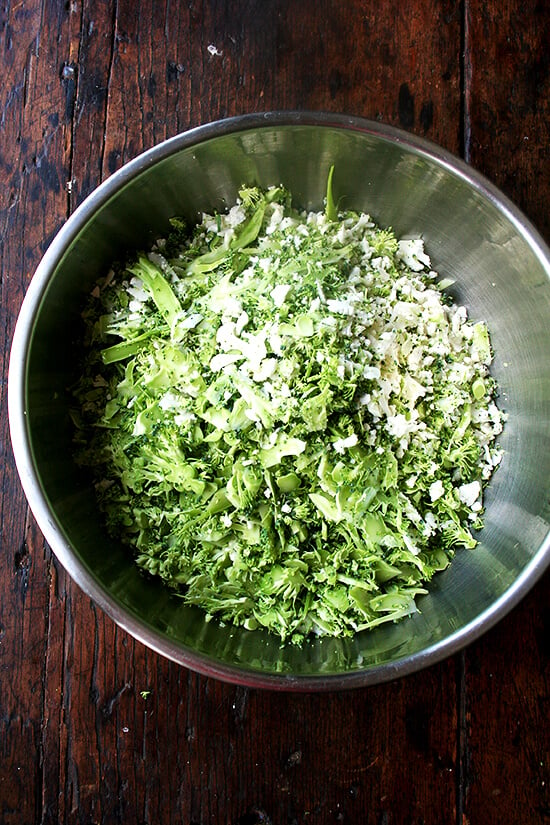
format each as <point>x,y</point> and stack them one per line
<point>343,444</point>
<point>411,252</point>
<point>340,307</point>
<point>398,425</point>
<point>371,372</point>
<point>469,493</point>
<point>279,293</point>
<point>169,401</point>
<point>223,359</point>
<point>436,490</point>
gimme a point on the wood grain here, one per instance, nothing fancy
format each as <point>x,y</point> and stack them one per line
<point>507,100</point>
<point>508,776</point>
<point>507,772</point>
<point>95,728</point>
<point>33,205</point>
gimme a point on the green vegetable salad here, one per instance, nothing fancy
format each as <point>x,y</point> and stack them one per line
<point>287,419</point>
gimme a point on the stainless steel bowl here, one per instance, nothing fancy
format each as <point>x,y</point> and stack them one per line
<point>473,234</point>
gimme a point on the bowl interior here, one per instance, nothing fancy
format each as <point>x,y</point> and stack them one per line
<point>501,274</point>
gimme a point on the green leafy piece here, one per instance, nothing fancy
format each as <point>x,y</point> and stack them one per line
<point>125,349</point>
<point>247,233</point>
<point>243,485</point>
<point>161,292</point>
<point>481,343</point>
<point>284,445</point>
<point>331,210</point>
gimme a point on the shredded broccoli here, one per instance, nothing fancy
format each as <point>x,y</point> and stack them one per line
<point>287,419</point>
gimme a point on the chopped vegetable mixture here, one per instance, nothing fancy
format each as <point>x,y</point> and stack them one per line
<point>287,419</point>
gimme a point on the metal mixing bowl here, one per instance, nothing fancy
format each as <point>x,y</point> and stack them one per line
<point>473,233</point>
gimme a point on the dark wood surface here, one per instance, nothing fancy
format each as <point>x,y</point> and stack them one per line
<point>86,85</point>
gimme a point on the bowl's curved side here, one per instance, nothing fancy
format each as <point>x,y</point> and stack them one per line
<point>473,233</point>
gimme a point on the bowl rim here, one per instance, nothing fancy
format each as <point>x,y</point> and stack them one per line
<point>46,519</point>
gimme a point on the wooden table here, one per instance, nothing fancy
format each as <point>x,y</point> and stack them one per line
<point>95,728</point>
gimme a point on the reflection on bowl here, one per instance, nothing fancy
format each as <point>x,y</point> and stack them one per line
<point>473,234</point>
